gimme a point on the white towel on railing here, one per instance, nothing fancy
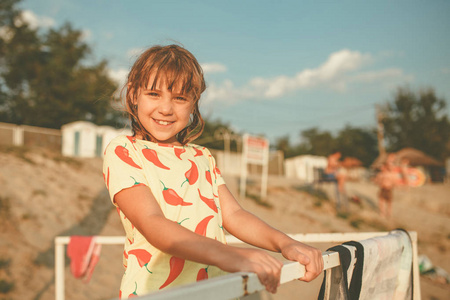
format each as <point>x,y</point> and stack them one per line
<point>387,267</point>
<point>376,268</point>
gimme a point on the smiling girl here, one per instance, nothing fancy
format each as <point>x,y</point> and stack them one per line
<point>171,198</point>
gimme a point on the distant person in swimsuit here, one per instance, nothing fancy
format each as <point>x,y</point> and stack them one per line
<point>336,173</point>
<point>386,180</point>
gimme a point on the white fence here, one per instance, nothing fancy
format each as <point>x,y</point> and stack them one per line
<point>237,284</point>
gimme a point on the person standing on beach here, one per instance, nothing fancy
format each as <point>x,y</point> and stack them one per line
<point>386,180</point>
<point>336,173</point>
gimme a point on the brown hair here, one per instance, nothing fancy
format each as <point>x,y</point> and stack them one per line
<point>178,67</point>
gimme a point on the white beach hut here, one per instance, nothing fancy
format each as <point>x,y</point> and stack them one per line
<point>304,167</point>
<point>85,139</point>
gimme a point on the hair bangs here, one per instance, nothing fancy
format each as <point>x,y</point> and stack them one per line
<point>178,74</point>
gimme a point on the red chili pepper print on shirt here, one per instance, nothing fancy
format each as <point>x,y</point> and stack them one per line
<point>210,202</point>
<point>106,178</point>
<point>124,155</point>
<point>178,152</point>
<point>201,227</point>
<point>208,177</point>
<point>202,274</point>
<point>132,140</point>
<point>133,294</point>
<point>152,156</point>
<point>198,152</point>
<point>143,257</point>
<point>191,174</point>
<point>172,198</point>
<point>176,266</point>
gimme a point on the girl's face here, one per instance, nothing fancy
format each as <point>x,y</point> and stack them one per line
<point>162,112</point>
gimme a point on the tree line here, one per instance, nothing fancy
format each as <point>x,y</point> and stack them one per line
<point>415,119</point>
<point>46,80</point>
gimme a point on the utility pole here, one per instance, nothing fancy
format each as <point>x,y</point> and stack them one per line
<point>380,131</point>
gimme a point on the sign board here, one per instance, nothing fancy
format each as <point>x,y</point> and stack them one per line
<point>255,150</point>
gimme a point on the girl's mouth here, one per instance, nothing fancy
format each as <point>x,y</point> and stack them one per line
<point>161,122</point>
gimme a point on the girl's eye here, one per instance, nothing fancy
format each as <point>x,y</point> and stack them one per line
<point>181,98</point>
<point>152,94</point>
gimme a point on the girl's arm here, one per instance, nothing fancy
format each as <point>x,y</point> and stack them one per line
<point>140,206</point>
<point>252,230</point>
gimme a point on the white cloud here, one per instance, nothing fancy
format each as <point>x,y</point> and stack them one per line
<point>86,34</point>
<point>387,74</point>
<point>337,65</point>
<point>209,68</point>
<point>134,53</point>
<point>33,20</point>
<point>337,72</point>
<point>119,75</point>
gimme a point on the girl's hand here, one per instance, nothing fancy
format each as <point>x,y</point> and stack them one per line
<point>266,267</point>
<point>306,255</point>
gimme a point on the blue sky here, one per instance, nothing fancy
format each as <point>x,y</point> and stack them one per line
<point>276,67</point>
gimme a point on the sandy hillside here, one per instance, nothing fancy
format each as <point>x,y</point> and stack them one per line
<point>43,195</point>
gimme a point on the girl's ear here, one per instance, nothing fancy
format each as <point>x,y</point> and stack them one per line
<point>131,93</point>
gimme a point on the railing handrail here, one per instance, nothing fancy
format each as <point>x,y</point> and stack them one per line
<point>238,284</point>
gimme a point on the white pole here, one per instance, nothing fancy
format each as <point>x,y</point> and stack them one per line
<point>59,269</point>
<point>226,145</point>
<point>264,177</point>
<point>415,262</point>
<point>265,171</point>
<point>244,167</point>
<point>18,133</point>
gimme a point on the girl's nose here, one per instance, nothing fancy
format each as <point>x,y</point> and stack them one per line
<point>165,105</point>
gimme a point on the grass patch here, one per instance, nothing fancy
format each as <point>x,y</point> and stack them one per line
<point>318,193</point>
<point>342,215</point>
<point>377,225</point>
<point>5,206</point>
<point>68,160</point>
<point>317,203</point>
<point>6,286</point>
<point>18,151</point>
<point>4,263</point>
<point>258,200</point>
<point>356,223</point>
<point>39,192</point>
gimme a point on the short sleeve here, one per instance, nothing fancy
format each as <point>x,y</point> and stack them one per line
<point>122,166</point>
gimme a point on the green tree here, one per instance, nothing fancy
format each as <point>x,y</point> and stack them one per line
<point>417,120</point>
<point>359,143</point>
<point>350,141</point>
<point>283,144</point>
<point>45,80</point>
<point>317,142</point>
<point>212,138</point>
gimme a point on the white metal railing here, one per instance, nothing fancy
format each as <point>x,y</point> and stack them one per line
<point>237,284</point>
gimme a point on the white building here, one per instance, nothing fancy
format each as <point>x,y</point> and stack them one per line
<point>85,139</point>
<point>304,167</point>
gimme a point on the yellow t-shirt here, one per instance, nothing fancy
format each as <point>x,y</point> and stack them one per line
<point>184,181</point>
